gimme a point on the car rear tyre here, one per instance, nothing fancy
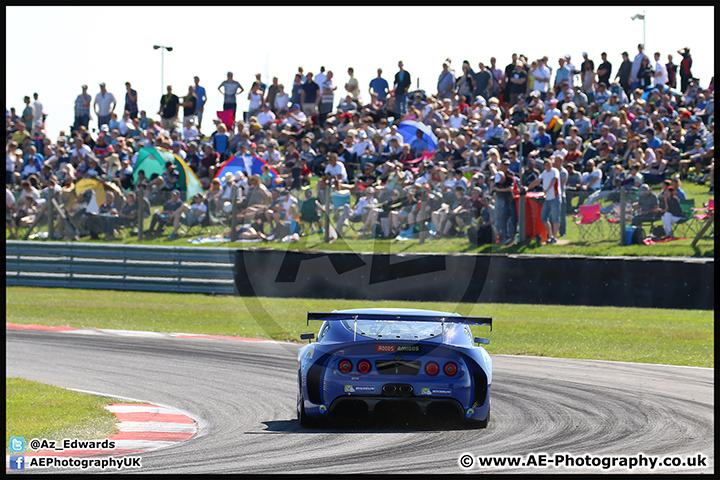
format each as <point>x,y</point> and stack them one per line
<point>479,424</point>
<point>305,420</point>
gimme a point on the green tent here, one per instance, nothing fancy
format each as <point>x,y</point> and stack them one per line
<point>153,160</point>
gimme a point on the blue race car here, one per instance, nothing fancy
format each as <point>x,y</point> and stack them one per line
<point>379,359</point>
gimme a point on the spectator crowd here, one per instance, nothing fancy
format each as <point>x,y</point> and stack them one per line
<point>576,132</point>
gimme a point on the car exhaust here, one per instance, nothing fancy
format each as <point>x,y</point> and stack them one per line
<point>389,389</point>
<point>406,390</point>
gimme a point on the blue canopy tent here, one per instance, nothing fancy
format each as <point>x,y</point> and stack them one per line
<point>248,164</point>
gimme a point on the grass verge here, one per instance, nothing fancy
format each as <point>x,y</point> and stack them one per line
<point>37,410</point>
<point>667,336</point>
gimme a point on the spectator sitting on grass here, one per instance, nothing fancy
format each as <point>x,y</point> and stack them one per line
<point>170,214</point>
<point>190,214</point>
<point>107,216</point>
<point>129,212</point>
<point>359,213</point>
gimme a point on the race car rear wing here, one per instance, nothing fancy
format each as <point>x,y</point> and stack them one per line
<point>410,317</point>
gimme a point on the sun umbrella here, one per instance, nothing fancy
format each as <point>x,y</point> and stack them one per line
<point>408,128</point>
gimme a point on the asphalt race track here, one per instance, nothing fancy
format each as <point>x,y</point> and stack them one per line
<point>243,396</point>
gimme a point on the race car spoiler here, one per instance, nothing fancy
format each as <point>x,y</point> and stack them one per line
<point>410,317</point>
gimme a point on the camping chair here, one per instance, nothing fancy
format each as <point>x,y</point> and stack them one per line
<point>213,221</point>
<point>686,226</point>
<point>309,218</point>
<point>590,222</point>
<point>339,198</point>
<point>708,216</point>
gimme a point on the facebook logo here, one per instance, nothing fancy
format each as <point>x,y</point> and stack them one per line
<point>17,462</point>
<point>17,444</point>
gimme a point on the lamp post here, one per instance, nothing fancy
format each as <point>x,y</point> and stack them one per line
<point>162,64</point>
<point>641,16</point>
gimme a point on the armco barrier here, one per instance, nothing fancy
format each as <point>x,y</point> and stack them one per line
<point>120,267</point>
<point>532,279</point>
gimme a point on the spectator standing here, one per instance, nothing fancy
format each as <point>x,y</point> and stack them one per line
<point>446,82</point>
<point>504,183</point>
<point>671,71</point>
<point>39,117</point>
<point>379,86</point>
<point>541,76</point>
<point>645,74</point>
<point>636,64</point>
<point>169,107</point>
<point>189,105</point>
<point>82,109</point>
<point>558,164</point>
<point>517,80</point>
<point>282,99</point>
<point>131,104</point>
<point>104,105</point>
<point>272,92</point>
<point>604,70</point>
<point>685,68</point>
<point>309,96</point>
<point>201,95</point>
<point>562,75</point>
<point>256,98</point>
<point>624,72</point>
<point>28,115</point>
<point>483,82</point>
<point>327,98</point>
<point>296,90</point>
<point>230,89</point>
<point>660,74</point>
<point>401,85</point>
<point>498,78</point>
<point>465,83</point>
<point>550,214</point>
<point>352,86</point>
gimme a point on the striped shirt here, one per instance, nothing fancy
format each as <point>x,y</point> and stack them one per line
<point>82,105</point>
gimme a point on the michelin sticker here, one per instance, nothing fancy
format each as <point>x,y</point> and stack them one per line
<point>359,388</point>
<point>435,391</point>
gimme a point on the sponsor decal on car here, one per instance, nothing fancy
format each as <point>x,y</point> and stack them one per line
<point>435,391</point>
<point>385,348</point>
<point>359,388</point>
<point>470,412</point>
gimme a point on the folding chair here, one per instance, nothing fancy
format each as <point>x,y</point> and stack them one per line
<point>309,218</point>
<point>686,226</point>
<point>590,222</point>
<point>707,217</point>
<point>212,221</point>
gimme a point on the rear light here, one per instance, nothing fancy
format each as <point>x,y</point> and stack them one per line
<point>363,366</point>
<point>432,368</point>
<point>345,366</point>
<point>450,368</point>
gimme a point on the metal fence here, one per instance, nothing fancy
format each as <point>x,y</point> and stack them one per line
<point>120,267</point>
